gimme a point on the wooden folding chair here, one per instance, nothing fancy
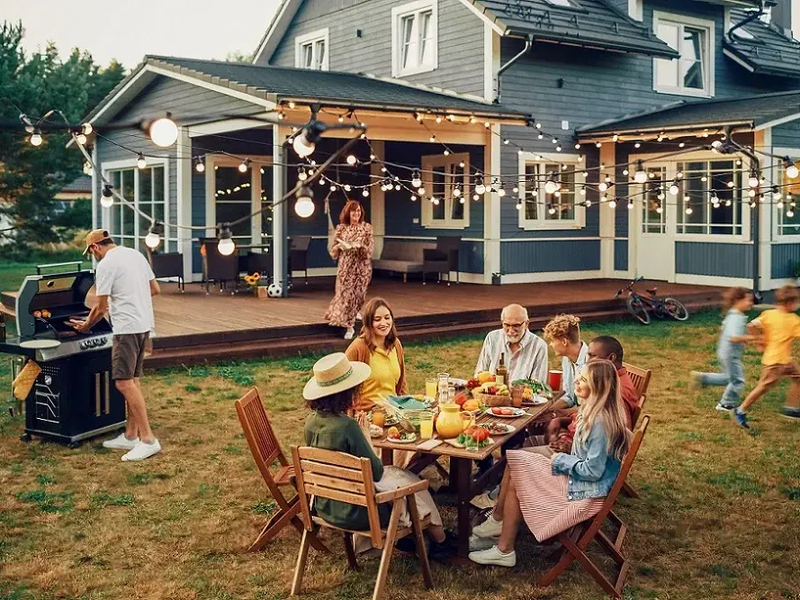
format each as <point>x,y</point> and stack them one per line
<point>641,380</point>
<point>346,478</point>
<point>266,450</point>
<point>575,540</point>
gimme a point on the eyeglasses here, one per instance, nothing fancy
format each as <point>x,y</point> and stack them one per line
<point>514,325</point>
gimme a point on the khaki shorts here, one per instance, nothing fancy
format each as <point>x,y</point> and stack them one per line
<point>127,355</point>
<point>771,374</point>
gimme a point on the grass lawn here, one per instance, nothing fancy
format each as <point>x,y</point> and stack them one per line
<point>717,518</point>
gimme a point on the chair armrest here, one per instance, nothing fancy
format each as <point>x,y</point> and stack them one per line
<point>430,254</point>
<point>402,492</point>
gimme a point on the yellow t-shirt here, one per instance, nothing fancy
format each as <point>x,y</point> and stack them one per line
<point>780,330</point>
<point>383,380</point>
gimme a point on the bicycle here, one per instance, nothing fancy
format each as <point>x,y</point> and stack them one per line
<point>641,306</point>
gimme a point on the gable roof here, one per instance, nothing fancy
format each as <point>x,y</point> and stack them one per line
<point>589,23</point>
<point>269,86</point>
<point>755,112</point>
<point>765,50</point>
<point>83,184</point>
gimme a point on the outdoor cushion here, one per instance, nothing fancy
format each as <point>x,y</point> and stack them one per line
<point>400,266</point>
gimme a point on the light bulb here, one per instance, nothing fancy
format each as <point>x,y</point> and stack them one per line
<point>456,192</point>
<point>347,187</point>
<point>87,129</point>
<point>612,204</point>
<point>351,160</point>
<point>420,190</point>
<point>602,187</point>
<point>36,138</point>
<point>200,167</point>
<point>81,139</point>
<point>304,207</point>
<point>480,189</point>
<point>107,202</point>
<point>776,193</point>
<point>630,204</point>
<point>659,209</point>
<point>515,190</point>
<point>641,175</point>
<point>415,180</point>
<point>87,168</point>
<point>226,246</point>
<point>728,202</point>
<point>674,189</point>
<point>302,175</point>
<point>792,171</point>
<point>753,181</point>
<point>244,165</point>
<point>164,132</point>
<point>552,210</point>
<point>689,210</point>
<point>365,193</point>
<point>140,161</point>
<point>501,191</point>
<point>790,213</point>
<point>152,240</point>
<point>550,186</point>
<point>303,146</point>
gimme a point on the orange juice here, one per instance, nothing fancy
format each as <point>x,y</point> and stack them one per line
<point>378,417</point>
<point>430,388</point>
<point>426,426</point>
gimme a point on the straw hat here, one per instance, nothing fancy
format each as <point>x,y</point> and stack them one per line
<point>335,373</point>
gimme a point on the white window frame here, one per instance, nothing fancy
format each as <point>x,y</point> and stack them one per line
<point>398,13</point>
<point>671,202</point>
<point>439,160</point>
<point>170,231</point>
<point>573,161</point>
<point>300,41</point>
<point>777,221</point>
<point>256,192</point>
<point>680,21</point>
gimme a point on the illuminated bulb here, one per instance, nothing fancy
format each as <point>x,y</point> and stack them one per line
<point>550,186</point>
<point>681,145</point>
<point>674,189</point>
<point>661,196</point>
<point>446,152</point>
<point>438,119</point>
<point>351,160</point>
<point>630,204</point>
<point>625,172</point>
<point>413,198</point>
<point>728,202</point>
<point>456,192</point>
<point>753,181</point>
<point>752,193</point>
<point>243,167</point>
<point>461,200</point>
<point>791,168</point>
<point>200,166</point>
<point>36,138</point>
<point>420,191</point>
<point>637,145</point>
<point>552,210</point>
<point>583,191</point>
<point>140,161</point>
<point>776,193</point>
<point>519,205</point>
<point>640,176</point>
<point>689,210</point>
<point>365,193</point>
<point>304,206</point>
<point>588,203</point>
<point>347,187</point>
<point>87,129</point>
<point>501,191</point>
<point>164,132</point>
<point>598,144</point>
<point>612,204</point>
<point>302,175</point>
<point>577,146</point>
<point>432,138</point>
<point>87,168</point>
<point>659,209</point>
<point>480,189</point>
<point>730,184</point>
<point>602,187</point>
<point>515,190</point>
<point>154,233</point>
<point>107,197</point>
<point>780,205</point>
<point>540,136</point>
<point>615,138</point>
<point>790,213</point>
<point>341,119</point>
<point>81,139</point>
<point>226,245</point>
<point>476,197</point>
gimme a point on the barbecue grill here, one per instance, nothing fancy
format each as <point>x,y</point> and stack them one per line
<point>73,397</point>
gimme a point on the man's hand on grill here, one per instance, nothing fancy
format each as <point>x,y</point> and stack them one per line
<point>82,326</point>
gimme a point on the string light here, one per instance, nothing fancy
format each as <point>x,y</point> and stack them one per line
<point>776,193</point>
<point>87,129</point>
<point>754,179</point>
<point>416,180</point>
<point>36,138</point>
<point>153,237</point>
<point>674,188</point>
<point>480,189</point>
<point>301,174</point>
<point>107,197</point>
<point>199,165</point>
<point>791,168</point>
<point>304,206</point>
<point>305,142</point>
<point>612,204</point>
<point>244,165</point>
<point>140,161</point>
<point>351,160</point>
<point>226,245</point>
<point>81,139</point>
<point>163,132</point>
<point>365,193</point>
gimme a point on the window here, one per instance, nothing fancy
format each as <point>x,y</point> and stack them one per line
<point>146,189</point>
<point>654,209</point>
<point>696,211</point>
<point>559,209</point>
<point>788,218</point>
<point>446,183</point>
<point>414,38</point>
<point>311,50</point>
<point>693,73</point>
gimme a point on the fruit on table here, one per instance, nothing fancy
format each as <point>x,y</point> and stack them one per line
<point>472,383</point>
<point>474,437</point>
<point>392,432</point>
<point>484,377</point>
<point>471,405</point>
<point>491,388</point>
<point>461,398</point>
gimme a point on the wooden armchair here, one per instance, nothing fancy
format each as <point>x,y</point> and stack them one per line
<point>298,254</point>
<point>641,380</point>
<point>266,451</point>
<point>338,476</point>
<point>575,540</point>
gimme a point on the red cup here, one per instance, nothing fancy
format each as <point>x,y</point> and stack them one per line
<point>554,379</point>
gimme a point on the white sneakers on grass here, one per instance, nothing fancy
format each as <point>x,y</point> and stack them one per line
<point>493,556</point>
<point>137,449</point>
<point>490,528</point>
<point>483,545</point>
<point>348,335</point>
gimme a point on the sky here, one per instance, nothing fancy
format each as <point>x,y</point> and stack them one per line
<point>126,30</point>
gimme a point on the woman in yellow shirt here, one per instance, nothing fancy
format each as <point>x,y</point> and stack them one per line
<point>378,346</point>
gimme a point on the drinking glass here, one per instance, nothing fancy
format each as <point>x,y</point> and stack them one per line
<point>431,387</point>
<point>443,383</point>
<point>426,425</point>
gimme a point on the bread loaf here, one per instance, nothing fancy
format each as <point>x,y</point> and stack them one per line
<point>23,382</point>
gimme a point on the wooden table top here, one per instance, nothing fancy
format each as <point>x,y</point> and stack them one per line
<point>445,449</point>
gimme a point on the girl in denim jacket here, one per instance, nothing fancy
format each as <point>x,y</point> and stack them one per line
<point>553,494</point>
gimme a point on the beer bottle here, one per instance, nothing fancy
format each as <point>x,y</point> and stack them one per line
<point>501,374</point>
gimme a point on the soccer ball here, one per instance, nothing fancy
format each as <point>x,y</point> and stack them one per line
<point>274,290</point>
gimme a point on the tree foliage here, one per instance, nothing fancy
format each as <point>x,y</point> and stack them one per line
<point>31,176</point>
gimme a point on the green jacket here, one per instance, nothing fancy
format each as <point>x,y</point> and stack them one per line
<point>339,432</point>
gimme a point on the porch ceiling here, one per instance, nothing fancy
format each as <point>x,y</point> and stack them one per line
<point>755,112</point>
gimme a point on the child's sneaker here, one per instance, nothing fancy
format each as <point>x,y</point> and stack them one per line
<point>740,419</point>
<point>725,407</point>
<point>787,412</point>
<point>697,379</point>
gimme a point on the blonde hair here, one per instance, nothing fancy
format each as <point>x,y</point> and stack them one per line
<point>605,403</point>
<point>563,327</point>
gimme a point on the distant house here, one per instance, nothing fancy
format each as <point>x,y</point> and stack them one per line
<point>558,99</point>
<point>80,189</point>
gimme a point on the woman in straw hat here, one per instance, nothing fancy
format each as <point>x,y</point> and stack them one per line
<point>329,394</point>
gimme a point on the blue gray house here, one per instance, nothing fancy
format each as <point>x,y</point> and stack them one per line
<point>525,119</point>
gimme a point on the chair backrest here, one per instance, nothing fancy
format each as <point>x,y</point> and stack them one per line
<point>639,376</point>
<point>627,464</point>
<point>260,437</point>
<point>336,476</point>
<point>300,243</point>
<point>407,251</point>
<point>219,267</point>
<point>167,265</point>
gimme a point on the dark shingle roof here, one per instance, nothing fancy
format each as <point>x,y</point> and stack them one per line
<point>751,111</point>
<point>769,52</point>
<point>344,89</point>
<point>81,184</point>
<point>591,23</point>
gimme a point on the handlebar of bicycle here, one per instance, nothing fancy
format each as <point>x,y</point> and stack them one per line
<point>629,286</point>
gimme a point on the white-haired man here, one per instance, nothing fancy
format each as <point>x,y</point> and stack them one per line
<point>525,353</point>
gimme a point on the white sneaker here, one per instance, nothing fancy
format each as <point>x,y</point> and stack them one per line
<point>348,335</point>
<point>120,443</point>
<point>489,528</point>
<point>142,450</point>
<point>476,544</point>
<point>483,501</point>
<point>493,556</point>
<point>359,317</point>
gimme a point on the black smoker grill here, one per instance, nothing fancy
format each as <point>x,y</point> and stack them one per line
<point>73,397</point>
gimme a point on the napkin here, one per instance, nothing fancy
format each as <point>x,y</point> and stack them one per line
<point>406,403</point>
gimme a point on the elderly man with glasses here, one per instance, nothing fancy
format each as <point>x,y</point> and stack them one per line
<point>525,353</point>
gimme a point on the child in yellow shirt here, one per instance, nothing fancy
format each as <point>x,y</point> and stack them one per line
<point>778,329</point>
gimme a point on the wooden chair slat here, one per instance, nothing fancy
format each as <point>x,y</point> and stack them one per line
<point>334,483</point>
<point>325,456</point>
<point>331,494</point>
<point>403,491</point>
<point>310,466</point>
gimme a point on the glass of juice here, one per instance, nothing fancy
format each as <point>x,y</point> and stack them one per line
<point>431,386</point>
<point>378,416</point>
<point>426,425</point>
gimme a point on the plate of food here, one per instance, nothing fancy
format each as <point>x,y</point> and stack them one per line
<point>506,412</point>
<point>473,438</point>
<point>396,437</point>
<point>391,419</point>
<point>535,401</point>
<point>500,428</point>
<point>456,382</point>
<point>375,431</point>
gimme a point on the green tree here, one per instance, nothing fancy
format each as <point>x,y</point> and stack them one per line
<point>31,176</point>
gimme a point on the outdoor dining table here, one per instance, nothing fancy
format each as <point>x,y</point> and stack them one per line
<point>461,459</point>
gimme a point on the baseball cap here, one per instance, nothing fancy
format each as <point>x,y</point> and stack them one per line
<point>95,237</point>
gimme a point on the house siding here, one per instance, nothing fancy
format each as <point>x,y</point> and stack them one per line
<point>620,255</point>
<point>714,259</point>
<point>549,256</point>
<point>786,135</point>
<point>785,258</point>
<point>460,48</point>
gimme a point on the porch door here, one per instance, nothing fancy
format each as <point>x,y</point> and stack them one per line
<point>654,222</point>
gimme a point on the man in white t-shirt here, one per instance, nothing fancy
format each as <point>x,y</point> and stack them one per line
<point>125,285</point>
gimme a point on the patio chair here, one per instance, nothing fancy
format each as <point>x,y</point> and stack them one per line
<point>266,450</point>
<point>338,476</point>
<point>449,246</point>
<point>641,380</point>
<point>167,264</point>
<point>298,254</point>
<point>575,540</point>
<point>219,268</point>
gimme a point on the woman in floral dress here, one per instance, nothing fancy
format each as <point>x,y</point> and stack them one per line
<point>353,249</point>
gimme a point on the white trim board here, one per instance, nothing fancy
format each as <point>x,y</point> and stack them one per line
<point>551,276</point>
<point>713,280</point>
<point>277,29</point>
<point>496,25</point>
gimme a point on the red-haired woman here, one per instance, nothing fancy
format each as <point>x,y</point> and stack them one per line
<point>353,249</point>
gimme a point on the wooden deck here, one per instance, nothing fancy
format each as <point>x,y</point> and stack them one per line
<point>193,327</point>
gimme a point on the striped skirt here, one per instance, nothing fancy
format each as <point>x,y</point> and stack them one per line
<point>543,496</point>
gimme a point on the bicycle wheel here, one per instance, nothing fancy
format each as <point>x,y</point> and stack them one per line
<point>675,309</point>
<point>639,311</point>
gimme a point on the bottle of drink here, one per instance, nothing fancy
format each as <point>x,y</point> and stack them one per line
<point>501,374</point>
